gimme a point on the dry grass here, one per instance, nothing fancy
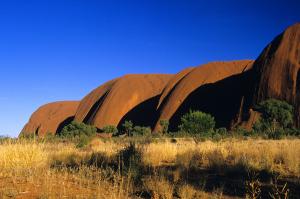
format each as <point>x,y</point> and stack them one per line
<point>274,155</point>
<point>30,169</point>
<point>187,192</point>
<point>23,155</point>
<point>159,187</point>
<point>83,183</point>
<point>25,172</point>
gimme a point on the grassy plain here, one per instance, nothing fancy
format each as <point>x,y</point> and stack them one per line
<point>158,168</point>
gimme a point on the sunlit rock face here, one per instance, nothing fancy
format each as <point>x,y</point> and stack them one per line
<point>131,97</point>
<point>50,118</point>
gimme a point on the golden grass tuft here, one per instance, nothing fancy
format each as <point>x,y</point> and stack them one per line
<point>187,192</point>
<point>23,155</point>
<point>159,187</point>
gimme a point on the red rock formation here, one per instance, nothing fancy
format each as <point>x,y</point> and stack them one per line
<point>131,97</point>
<point>277,70</point>
<point>190,84</point>
<point>227,90</point>
<point>50,118</point>
<point>172,83</point>
<point>90,104</point>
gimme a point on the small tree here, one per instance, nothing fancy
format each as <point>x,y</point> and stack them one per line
<point>276,111</point>
<point>197,122</point>
<point>276,116</point>
<point>165,126</point>
<point>128,127</point>
<point>110,129</point>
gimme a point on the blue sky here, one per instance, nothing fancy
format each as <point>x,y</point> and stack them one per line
<point>62,49</point>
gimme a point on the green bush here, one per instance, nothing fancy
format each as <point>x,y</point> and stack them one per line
<point>49,137</point>
<point>27,135</point>
<point>76,130</point>
<point>293,132</point>
<point>110,129</point>
<point>276,118</point>
<point>219,134</point>
<point>128,127</point>
<point>221,131</point>
<point>141,131</point>
<point>276,111</point>
<point>197,122</point>
<point>164,125</point>
<point>83,141</point>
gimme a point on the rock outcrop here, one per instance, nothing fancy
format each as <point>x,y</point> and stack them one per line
<point>277,70</point>
<point>50,118</point>
<point>227,90</point>
<point>206,88</point>
<point>131,97</point>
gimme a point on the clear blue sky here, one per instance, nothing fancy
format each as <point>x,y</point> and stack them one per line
<point>61,49</point>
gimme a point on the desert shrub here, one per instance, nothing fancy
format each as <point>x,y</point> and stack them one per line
<point>110,129</point>
<point>219,134</point>
<point>276,111</point>
<point>197,122</point>
<point>217,137</point>
<point>240,132</point>
<point>141,131</point>
<point>76,130</point>
<point>83,141</point>
<point>128,127</point>
<point>276,119</point>
<point>49,137</point>
<point>293,132</point>
<point>165,126</point>
<point>27,135</point>
<point>221,131</point>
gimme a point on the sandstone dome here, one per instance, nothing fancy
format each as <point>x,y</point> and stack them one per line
<point>50,118</point>
<point>131,97</point>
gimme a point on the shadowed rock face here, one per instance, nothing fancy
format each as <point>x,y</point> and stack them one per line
<point>50,118</point>
<point>276,71</point>
<point>198,90</point>
<point>131,97</point>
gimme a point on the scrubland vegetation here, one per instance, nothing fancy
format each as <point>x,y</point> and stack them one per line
<point>198,161</point>
<point>156,168</point>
